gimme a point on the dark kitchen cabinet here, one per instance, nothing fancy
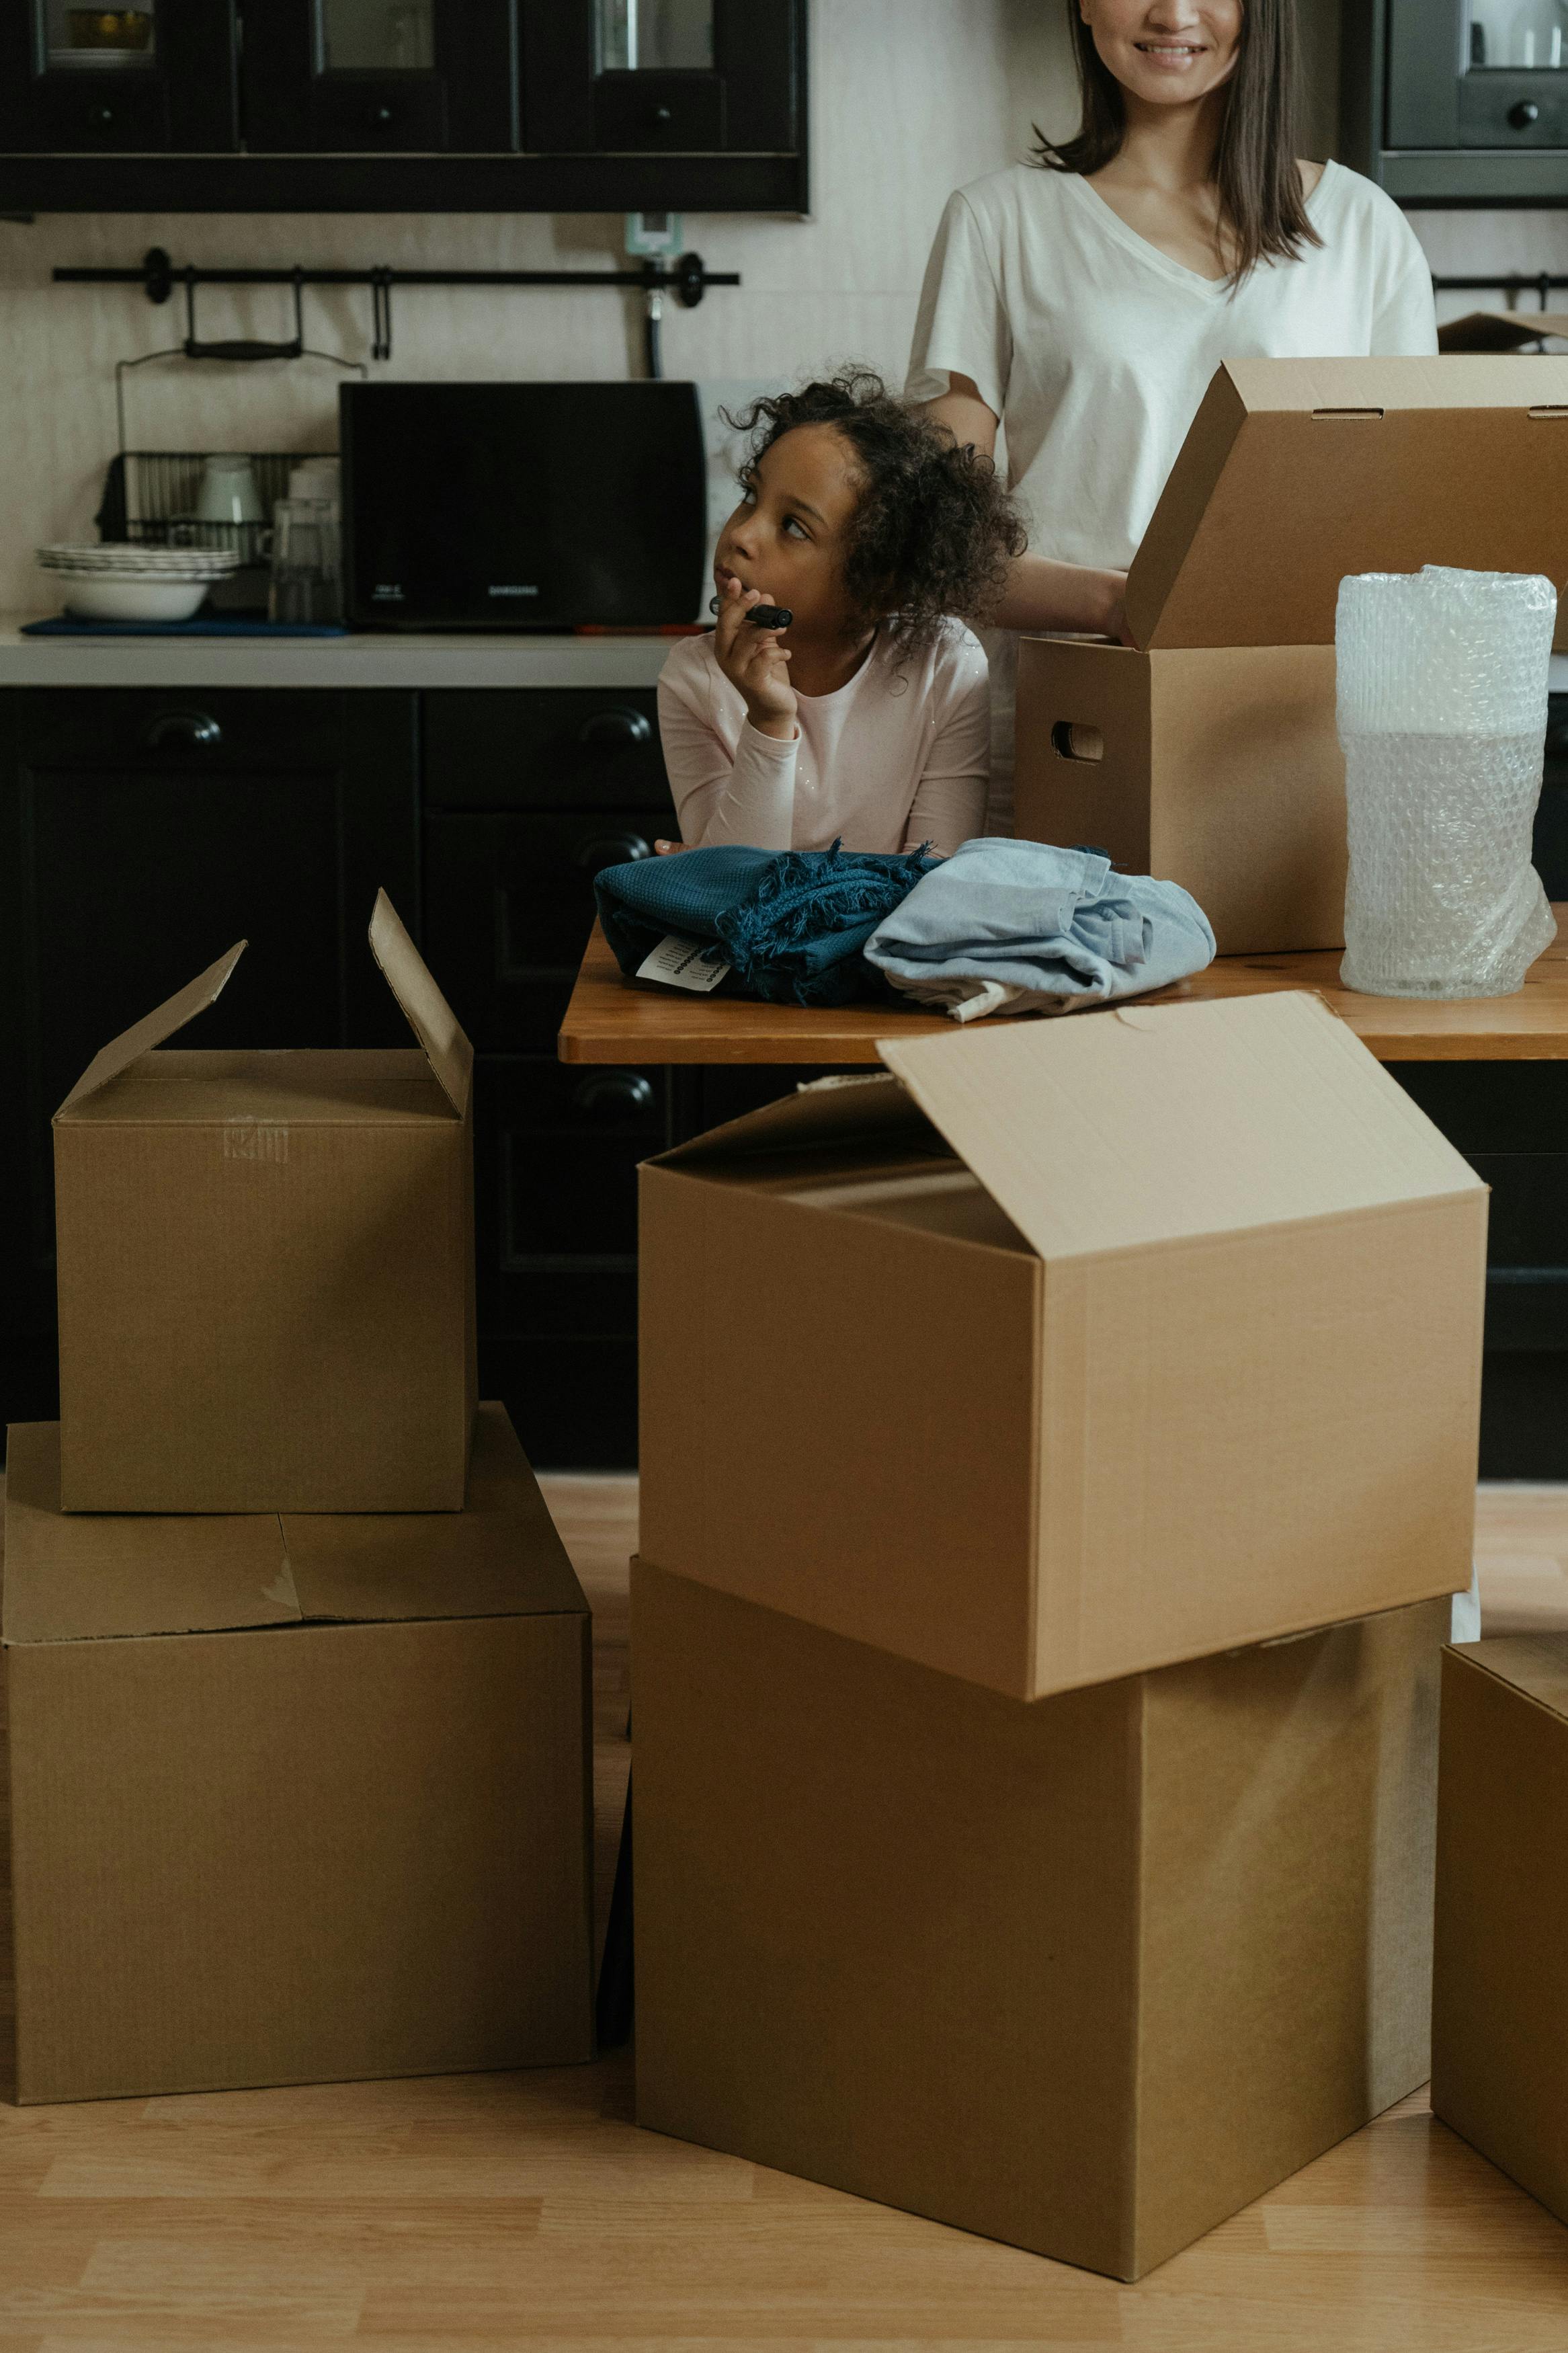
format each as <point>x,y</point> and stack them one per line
<point>526,796</point>
<point>664,77</point>
<point>404,105</point>
<point>1457,103</point>
<point>387,77</point>
<point>141,834</point>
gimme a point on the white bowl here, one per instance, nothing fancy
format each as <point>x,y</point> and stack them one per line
<point>95,599</point>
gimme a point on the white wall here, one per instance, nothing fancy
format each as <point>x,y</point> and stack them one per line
<point>910,98</point>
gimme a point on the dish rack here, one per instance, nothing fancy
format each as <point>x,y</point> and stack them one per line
<point>149,495</point>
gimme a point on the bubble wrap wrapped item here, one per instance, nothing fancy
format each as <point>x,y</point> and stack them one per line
<point>1442,716</point>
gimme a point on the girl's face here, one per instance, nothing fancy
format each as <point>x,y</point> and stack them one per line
<point>788,535</point>
<point>1166,52</point>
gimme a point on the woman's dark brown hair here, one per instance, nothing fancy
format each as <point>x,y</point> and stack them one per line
<point>935,533</point>
<point>1256,169</point>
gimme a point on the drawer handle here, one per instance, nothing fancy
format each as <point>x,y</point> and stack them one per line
<point>621,725</point>
<point>613,849</point>
<point>100,118</point>
<point>609,1091</point>
<point>381,118</point>
<point>1522,115</point>
<point>193,728</point>
<point>1070,742</point>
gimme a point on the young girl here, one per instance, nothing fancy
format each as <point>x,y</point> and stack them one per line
<point>867,718</point>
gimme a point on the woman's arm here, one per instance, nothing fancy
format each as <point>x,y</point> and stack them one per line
<point>1040,595</point>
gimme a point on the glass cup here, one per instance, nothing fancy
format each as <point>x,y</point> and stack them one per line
<point>307,573</point>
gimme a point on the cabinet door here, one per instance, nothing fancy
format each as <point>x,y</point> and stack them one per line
<point>380,77</point>
<point>143,833</point>
<point>156,78</point>
<point>663,77</point>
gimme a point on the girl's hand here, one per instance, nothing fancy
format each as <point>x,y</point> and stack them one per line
<point>755,661</point>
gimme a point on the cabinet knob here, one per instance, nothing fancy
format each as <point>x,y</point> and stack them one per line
<point>612,850</point>
<point>661,115</point>
<point>1522,115</point>
<point>100,118</point>
<point>612,1094</point>
<point>381,118</point>
<point>620,726</point>
<point>191,728</point>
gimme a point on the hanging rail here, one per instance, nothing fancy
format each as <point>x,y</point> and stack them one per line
<point>1513,283</point>
<point>688,279</point>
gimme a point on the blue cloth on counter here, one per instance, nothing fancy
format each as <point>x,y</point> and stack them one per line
<point>792,924</point>
<point>1021,926</point>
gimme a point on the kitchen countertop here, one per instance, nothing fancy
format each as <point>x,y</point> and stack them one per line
<point>370,658</point>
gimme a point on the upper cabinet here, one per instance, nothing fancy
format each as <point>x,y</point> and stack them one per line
<point>404,105</point>
<point>1454,102</point>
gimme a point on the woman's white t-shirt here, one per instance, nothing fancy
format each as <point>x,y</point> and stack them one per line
<point>1095,348</point>
<point>898,756</point>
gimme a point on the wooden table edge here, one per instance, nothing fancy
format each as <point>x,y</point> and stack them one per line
<point>609,1019</point>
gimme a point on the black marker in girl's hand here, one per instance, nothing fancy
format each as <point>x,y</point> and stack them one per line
<point>770,617</point>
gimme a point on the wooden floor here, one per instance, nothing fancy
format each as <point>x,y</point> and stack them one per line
<point>501,2210</point>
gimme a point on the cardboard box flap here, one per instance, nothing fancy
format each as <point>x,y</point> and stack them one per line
<point>1296,473</point>
<point>1147,1124</point>
<point>833,1112</point>
<point>424,1008</point>
<point>86,1577</point>
<point>1535,1664</point>
<point>499,1556</point>
<point>111,1060</point>
<point>1500,331</point>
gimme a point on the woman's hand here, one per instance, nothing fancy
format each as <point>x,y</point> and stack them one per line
<point>755,661</point>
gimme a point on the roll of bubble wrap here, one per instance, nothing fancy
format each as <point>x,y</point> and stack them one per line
<point>1442,683</point>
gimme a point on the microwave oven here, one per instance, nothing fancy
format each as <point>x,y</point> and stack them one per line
<point>522,506</point>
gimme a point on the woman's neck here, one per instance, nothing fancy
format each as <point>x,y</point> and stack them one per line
<point>1169,148</point>
<point>822,665</point>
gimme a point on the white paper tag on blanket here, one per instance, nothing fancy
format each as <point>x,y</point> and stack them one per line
<point>678,962</point>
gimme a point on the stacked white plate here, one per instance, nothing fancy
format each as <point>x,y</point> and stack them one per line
<point>122,582</point>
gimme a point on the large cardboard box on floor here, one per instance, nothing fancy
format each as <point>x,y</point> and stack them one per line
<point>1086,1976</point>
<point>1071,1348</point>
<point>266,1267</point>
<point>1206,752</point>
<point>295,1799</point>
<point>1499,2008</point>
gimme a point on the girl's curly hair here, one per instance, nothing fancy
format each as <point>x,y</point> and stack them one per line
<point>934,532</point>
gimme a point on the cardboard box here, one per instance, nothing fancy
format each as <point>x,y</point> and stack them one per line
<point>1070,1348</point>
<point>266,1267</point>
<point>1086,1976</point>
<point>1499,2009</point>
<point>1206,752</point>
<point>295,1801</point>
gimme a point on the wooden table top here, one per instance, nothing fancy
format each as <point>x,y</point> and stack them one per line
<point>614,1020</point>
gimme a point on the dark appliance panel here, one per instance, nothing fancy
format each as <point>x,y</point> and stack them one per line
<point>524,506</point>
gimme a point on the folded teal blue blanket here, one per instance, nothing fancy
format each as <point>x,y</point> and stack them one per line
<point>791,925</point>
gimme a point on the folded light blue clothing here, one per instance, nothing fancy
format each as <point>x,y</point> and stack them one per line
<point>1019,926</point>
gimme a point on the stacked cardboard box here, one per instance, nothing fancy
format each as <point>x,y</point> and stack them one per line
<point>1207,750</point>
<point>298,1693</point>
<point>1057,1454</point>
<point>1499,2017</point>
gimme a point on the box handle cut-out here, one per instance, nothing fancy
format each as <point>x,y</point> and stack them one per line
<point>1559,408</point>
<point>1070,742</point>
<point>1350,413</point>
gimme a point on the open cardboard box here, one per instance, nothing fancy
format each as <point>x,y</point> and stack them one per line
<point>1072,1348</point>
<point>1086,1976</point>
<point>295,1798</point>
<point>266,1266</point>
<point>1500,1999</point>
<point>1206,752</point>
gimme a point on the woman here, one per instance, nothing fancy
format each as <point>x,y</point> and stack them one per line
<point>1085,299</point>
